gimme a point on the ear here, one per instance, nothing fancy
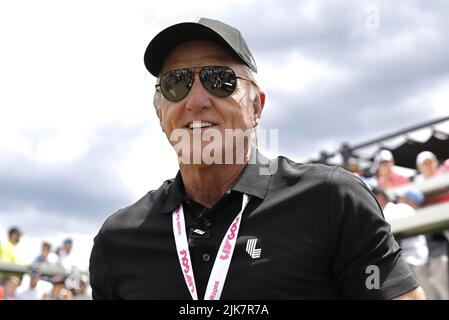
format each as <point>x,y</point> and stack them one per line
<point>258,104</point>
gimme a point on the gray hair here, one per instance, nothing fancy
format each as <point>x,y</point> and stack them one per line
<point>157,98</point>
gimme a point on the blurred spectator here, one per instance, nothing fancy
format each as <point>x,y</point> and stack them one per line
<point>414,198</point>
<point>65,258</point>
<point>31,293</point>
<point>427,165</point>
<point>9,287</point>
<point>31,286</point>
<point>393,211</point>
<point>431,272</point>
<point>46,257</point>
<point>384,166</point>
<point>8,249</point>
<point>59,290</point>
<point>415,248</point>
<point>416,251</point>
<point>354,167</point>
<point>80,292</point>
<point>382,197</point>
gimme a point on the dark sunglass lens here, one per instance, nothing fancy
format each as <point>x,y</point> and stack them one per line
<point>176,84</point>
<point>219,81</point>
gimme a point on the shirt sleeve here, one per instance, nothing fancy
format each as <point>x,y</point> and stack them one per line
<point>99,269</point>
<point>367,261</point>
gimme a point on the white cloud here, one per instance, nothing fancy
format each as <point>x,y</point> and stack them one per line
<point>150,161</point>
<point>438,98</point>
<point>434,98</point>
<point>66,71</point>
<point>296,73</point>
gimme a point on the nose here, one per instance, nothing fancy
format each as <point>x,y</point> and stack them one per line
<point>198,98</point>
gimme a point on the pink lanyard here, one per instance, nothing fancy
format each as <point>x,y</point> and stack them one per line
<point>222,262</point>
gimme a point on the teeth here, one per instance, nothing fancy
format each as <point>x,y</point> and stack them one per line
<point>199,124</point>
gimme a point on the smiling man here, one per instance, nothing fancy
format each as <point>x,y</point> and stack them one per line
<point>233,224</point>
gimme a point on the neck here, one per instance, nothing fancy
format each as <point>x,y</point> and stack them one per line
<point>206,184</point>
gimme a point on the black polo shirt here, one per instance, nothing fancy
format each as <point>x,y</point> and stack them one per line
<point>319,230</point>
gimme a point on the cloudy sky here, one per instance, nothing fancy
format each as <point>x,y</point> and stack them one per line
<point>79,137</point>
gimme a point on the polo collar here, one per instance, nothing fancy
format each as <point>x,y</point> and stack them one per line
<point>175,193</point>
<point>254,181</point>
<point>256,176</point>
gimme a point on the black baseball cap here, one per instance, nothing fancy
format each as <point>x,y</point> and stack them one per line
<point>203,29</point>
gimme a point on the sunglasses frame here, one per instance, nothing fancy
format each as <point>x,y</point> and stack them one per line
<point>193,71</point>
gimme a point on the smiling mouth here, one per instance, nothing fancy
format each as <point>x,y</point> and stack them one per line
<point>200,125</point>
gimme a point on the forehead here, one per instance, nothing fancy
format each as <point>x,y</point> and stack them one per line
<point>198,54</point>
<point>428,160</point>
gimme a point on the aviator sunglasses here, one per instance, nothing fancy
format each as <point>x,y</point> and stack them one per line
<point>220,81</point>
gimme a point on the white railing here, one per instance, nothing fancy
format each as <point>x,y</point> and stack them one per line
<point>430,186</point>
<point>432,218</point>
<point>45,270</point>
<point>429,219</point>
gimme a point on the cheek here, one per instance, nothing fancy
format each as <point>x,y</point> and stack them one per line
<point>236,116</point>
<point>169,115</point>
<point>241,110</point>
<point>247,116</point>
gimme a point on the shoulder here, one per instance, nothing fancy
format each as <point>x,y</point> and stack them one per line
<point>324,175</point>
<point>134,215</point>
<point>328,185</point>
<point>342,191</point>
<point>289,168</point>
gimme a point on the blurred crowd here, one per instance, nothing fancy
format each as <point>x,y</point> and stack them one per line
<point>36,284</point>
<point>426,254</point>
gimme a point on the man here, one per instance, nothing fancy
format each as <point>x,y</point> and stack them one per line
<point>355,168</point>
<point>415,249</point>
<point>46,257</point>
<point>233,229</point>
<point>65,257</point>
<point>427,165</point>
<point>32,292</point>
<point>10,285</point>
<point>59,290</point>
<point>7,250</point>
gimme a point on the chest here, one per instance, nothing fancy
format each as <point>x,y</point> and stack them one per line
<point>275,257</point>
